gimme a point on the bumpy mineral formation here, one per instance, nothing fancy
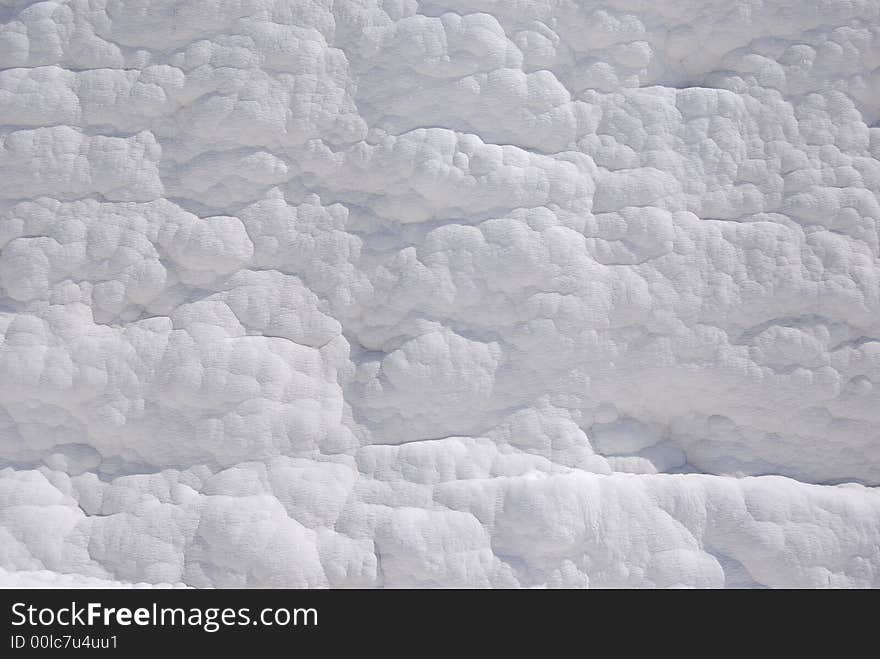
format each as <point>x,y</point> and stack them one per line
<point>449,292</point>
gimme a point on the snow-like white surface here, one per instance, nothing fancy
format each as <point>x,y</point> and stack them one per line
<point>451,292</point>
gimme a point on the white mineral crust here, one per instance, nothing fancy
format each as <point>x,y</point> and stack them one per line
<point>363,293</point>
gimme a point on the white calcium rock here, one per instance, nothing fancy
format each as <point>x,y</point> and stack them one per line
<point>439,293</point>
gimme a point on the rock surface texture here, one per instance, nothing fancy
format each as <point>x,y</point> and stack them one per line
<point>363,293</point>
